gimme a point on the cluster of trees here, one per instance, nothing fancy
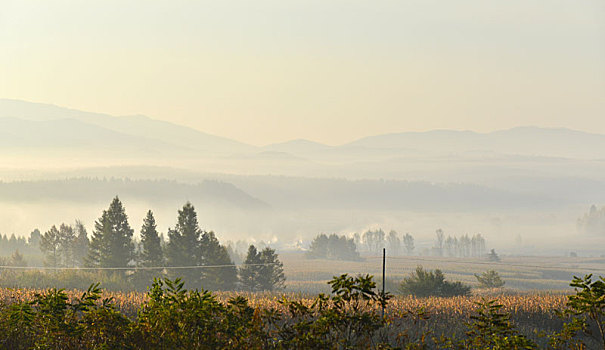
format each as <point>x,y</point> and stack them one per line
<point>462,247</point>
<point>16,259</point>
<point>10,244</point>
<point>373,241</point>
<point>333,247</point>
<point>31,245</point>
<point>593,222</point>
<point>190,252</point>
<point>261,270</point>
<point>66,246</point>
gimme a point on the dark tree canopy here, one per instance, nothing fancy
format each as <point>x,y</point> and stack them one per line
<point>189,246</point>
<point>111,244</point>
<point>221,273</point>
<point>183,247</point>
<point>151,254</point>
<point>271,274</point>
<point>262,270</point>
<point>183,240</point>
<point>248,273</point>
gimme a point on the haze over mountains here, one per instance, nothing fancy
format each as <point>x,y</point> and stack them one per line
<point>26,124</point>
<point>399,179</point>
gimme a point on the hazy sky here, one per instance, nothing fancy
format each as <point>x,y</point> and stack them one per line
<point>327,70</point>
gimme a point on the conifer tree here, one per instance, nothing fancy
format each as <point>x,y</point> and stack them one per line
<point>80,249</point>
<point>248,273</point>
<point>183,247</point>
<point>98,242</point>
<point>151,245</point>
<point>271,273</point>
<point>262,270</point>
<point>213,254</point>
<point>111,244</point>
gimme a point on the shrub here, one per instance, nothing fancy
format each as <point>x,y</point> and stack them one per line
<point>424,283</point>
<point>489,279</point>
<point>589,302</point>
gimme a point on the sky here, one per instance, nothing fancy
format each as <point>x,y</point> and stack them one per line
<point>331,71</point>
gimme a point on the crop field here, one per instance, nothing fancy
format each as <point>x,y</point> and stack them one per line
<point>531,312</point>
<point>521,274</point>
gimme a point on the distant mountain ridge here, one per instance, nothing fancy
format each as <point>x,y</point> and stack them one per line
<point>143,135</point>
<point>135,126</point>
<point>525,140</point>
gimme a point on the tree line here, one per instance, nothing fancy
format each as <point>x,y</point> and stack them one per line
<point>189,252</point>
<point>373,241</point>
<point>464,246</point>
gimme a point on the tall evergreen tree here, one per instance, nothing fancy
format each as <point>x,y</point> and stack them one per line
<point>248,273</point>
<point>111,244</point>
<point>271,274</point>
<point>262,270</point>
<point>81,243</point>
<point>151,245</point>
<point>97,243</point>
<point>213,254</point>
<point>183,247</point>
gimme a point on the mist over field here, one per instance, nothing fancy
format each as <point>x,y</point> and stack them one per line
<point>524,189</point>
<point>302,174</point>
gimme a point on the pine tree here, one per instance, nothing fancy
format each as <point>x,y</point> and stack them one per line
<point>262,270</point>
<point>183,247</point>
<point>81,243</point>
<point>98,242</point>
<point>248,273</point>
<point>271,274</point>
<point>213,254</point>
<point>151,245</point>
<point>111,244</point>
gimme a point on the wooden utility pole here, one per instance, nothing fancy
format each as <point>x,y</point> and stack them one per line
<point>384,255</point>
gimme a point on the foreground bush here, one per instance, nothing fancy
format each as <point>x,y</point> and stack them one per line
<point>349,318</point>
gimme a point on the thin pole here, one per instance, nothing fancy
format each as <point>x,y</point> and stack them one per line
<point>384,254</point>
